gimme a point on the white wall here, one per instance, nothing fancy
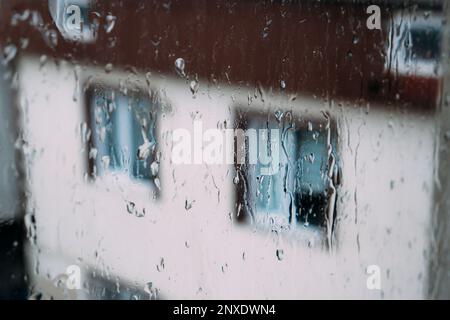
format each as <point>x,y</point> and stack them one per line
<point>384,204</point>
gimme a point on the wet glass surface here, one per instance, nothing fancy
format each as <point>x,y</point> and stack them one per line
<point>224,149</point>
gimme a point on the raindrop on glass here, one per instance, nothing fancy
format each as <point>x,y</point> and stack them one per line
<point>154,168</point>
<point>110,23</point>
<point>194,85</point>
<point>108,68</point>
<point>179,66</point>
<point>144,150</point>
<point>157,183</point>
<point>279,115</point>
<point>188,205</point>
<point>280,254</point>
<point>9,53</point>
<point>131,207</point>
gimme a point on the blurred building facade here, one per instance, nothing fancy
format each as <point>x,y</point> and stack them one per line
<point>83,109</point>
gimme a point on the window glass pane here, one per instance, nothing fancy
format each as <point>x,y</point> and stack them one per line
<point>123,133</point>
<point>213,149</point>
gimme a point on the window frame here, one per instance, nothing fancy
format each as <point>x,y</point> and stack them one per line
<point>300,119</point>
<point>148,93</point>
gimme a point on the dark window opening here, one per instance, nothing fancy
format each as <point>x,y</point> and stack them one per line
<point>303,190</point>
<point>121,130</point>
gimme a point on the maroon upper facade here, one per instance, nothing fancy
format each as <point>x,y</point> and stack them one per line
<point>319,48</point>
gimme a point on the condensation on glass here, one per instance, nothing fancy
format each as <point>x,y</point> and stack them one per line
<point>209,149</point>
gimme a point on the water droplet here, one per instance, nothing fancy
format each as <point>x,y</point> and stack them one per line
<point>279,115</point>
<point>93,153</point>
<point>24,42</point>
<point>188,205</point>
<point>112,42</point>
<point>282,84</point>
<point>265,32</point>
<point>131,207</point>
<point>9,53</point>
<point>85,132</point>
<point>349,55</point>
<point>20,16</point>
<point>158,183</point>
<point>148,287</point>
<point>179,66</point>
<point>355,39</point>
<point>148,78</point>
<point>224,268</point>
<point>161,265</point>
<point>236,178</point>
<point>280,254</point>
<point>140,214</point>
<point>194,85</point>
<point>105,161</point>
<point>144,150</point>
<point>110,23</point>
<point>310,126</point>
<point>42,61</point>
<point>154,168</point>
<point>102,134</point>
<point>108,68</point>
<point>447,135</point>
<point>51,38</point>
<point>151,291</point>
<point>315,135</point>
